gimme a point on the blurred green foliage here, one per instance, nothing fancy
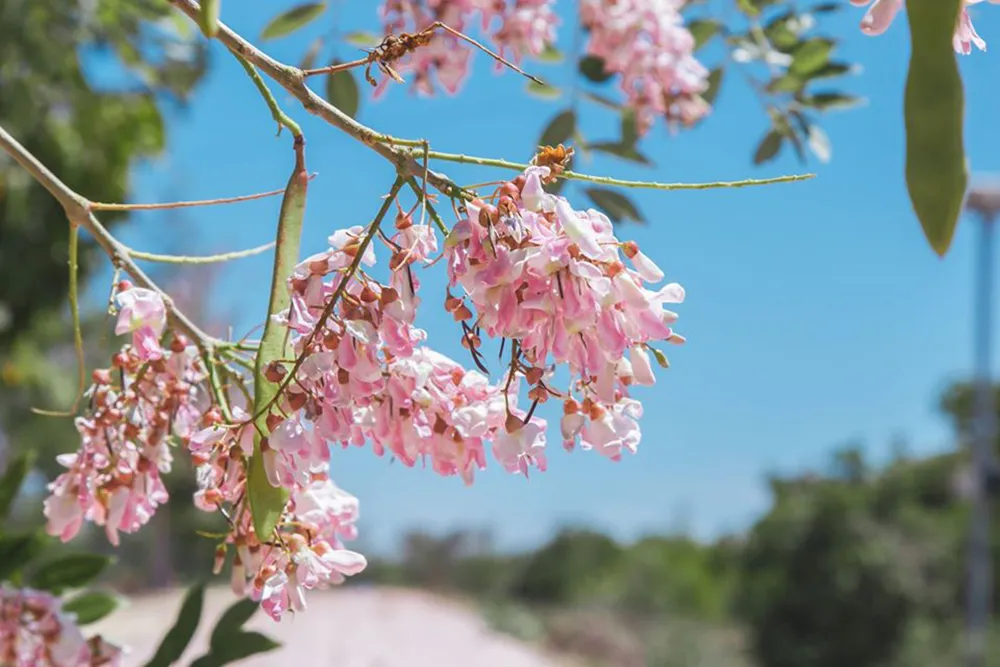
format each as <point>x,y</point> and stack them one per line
<point>853,565</point>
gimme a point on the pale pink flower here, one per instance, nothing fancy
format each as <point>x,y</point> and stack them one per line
<point>882,12</point>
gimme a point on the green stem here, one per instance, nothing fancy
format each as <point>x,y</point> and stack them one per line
<point>203,259</point>
<point>280,117</point>
<point>417,190</point>
<point>605,180</point>
<point>218,393</point>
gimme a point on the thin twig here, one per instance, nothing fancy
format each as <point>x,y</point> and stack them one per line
<point>77,209</point>
<point>203,259</point>
<point>495,56</point>
<point>99,206</point>
<point>605,180</point>
<point>333,69</point>
<point>280,117</point>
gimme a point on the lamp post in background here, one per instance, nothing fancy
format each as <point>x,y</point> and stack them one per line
<point>984,201</point>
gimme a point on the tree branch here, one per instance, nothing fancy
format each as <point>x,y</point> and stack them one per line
<point>77,209</point>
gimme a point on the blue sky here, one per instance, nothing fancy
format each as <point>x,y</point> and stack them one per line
<point>816,313</point>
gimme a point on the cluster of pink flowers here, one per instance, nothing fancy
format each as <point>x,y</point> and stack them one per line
<point>34,630</point>
<point>367,377</point>
<point>882,12</point>
<point>646,42</point>
<point>548,279</point>
<point>147,395</point>
<point>518,28</point>
<point>552,280</point>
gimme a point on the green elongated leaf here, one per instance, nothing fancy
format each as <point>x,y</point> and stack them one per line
<point>69,571</point>
<point>615,205</point>
<point>237,647</point>
<point>811,55</point>
<point>703,30</point>
<point>11,482</point>
<point>550,54</point>
<point>768,147</point>
<point>592,68</point>
<point>16,551</point>
<point>543,91</point>
<point>92,606</point>
<point>342,91</point>
<point>827,101</point>
<point>267,502</point>
<point>747,7</point>
<point>787,83</point>
<point>714,83</point>
<point>933,108</point>
<point>620,150</point>
<point>780,33</point>
<point>559,130</point>
<point>830,70</point>
<point>179,636</point>
<point>826,7</point>
<point>363,40</point>
<point>231,623</point>
<point>293,19</point>
<point>208,17</point>
<point>630,128</point>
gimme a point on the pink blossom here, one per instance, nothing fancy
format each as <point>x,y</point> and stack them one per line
<point>34,630</point>
<point>143,313</point>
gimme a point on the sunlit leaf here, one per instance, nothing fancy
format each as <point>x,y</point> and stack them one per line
<point>362,40</point>
<point>550,54</point>
<point>811,55</point>
<point>293,19</point>
<point>342,91</point>
<point>936,168</point>
<point>543,91</point>
<point>615,205</point>
<point>208,17</point>
<point>831,70</point>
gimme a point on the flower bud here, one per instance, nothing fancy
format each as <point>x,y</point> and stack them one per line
<point>275,372</point>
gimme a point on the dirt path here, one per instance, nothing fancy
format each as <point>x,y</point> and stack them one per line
<point>350,627</point>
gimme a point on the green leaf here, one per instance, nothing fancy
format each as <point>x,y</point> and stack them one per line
<point>293,19</point>
<point>629,127</point>
<point>602,100</point>
<point>362,40</point>
<point>550,54</point>
<point>714,82</point>
<point>69,571</point>
<point>543,91</point>
<point>342,91</point>
<point>592,68</point>
<point>661,358</point>
<point>781,31</point>
<point>747,7</point>
<point>768,147</point>
<point>11,482</point>
<point>16,551</point>
<point>703,30</point>
<point>92,606</point>
<point>615,205</point>
<point>826,8</point>
<point>787,83</point>
<point>179,636</point>
<point>620,150</point>
<point>827,101</point>
<point>830,70</point>
<point>232,621</point>
<point>237,647</point>
<point>811,55</point>
<point>936,168</point>
<point>208,17</point>
<point>559,130</point>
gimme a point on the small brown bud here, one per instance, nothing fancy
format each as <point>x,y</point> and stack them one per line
<point>403,221</point>
<point>275,372</point>
<point>512,424</point>
<point>343,377</point>
<point>462,313</point>
<point>368,295</point>
<point>273,421</point>
<point>534,375</point>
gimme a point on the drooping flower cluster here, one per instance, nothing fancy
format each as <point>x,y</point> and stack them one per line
<point>882,12</point>
<point>518,28</point>
<point>147,395</point>
<point>34,630</point>
<point>552,279</point>
<point>367,377</point>
<point>646,42</point>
